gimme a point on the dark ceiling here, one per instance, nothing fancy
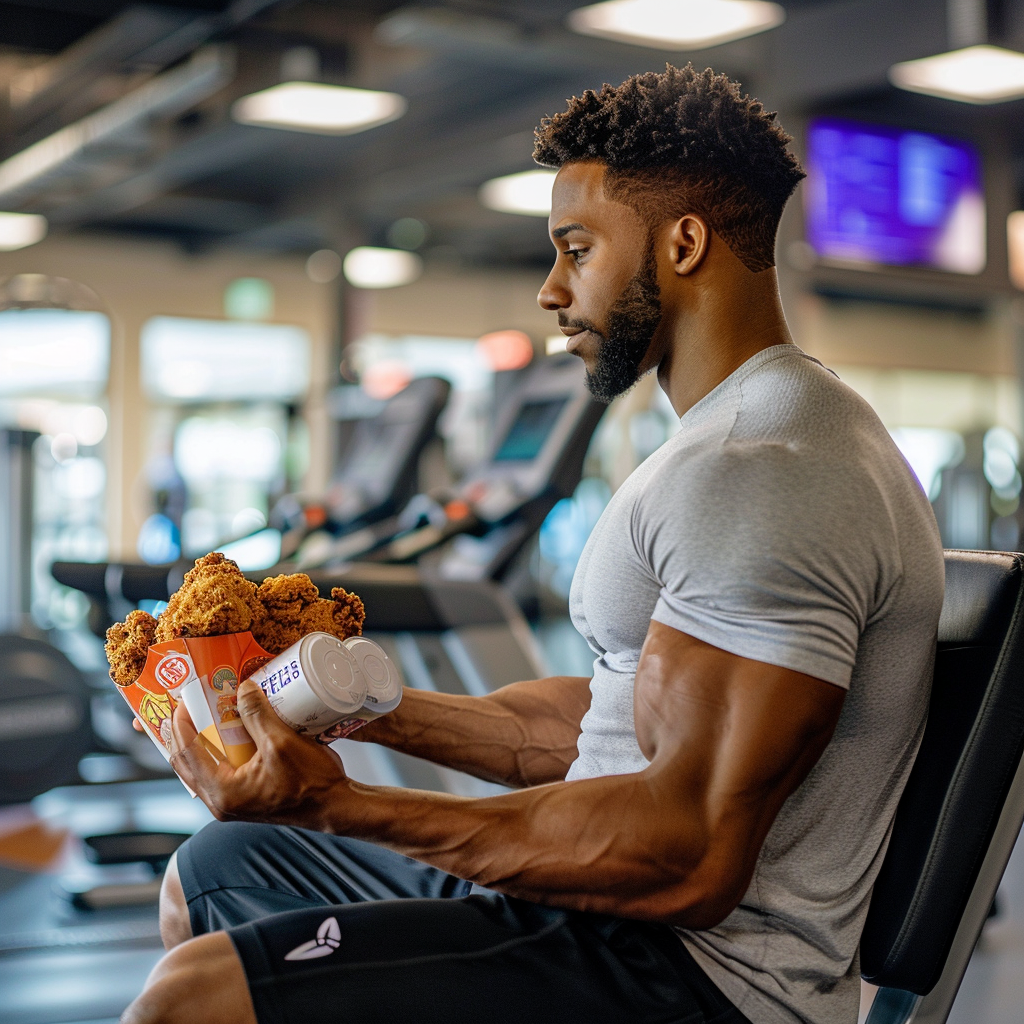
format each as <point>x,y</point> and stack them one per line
<point>478,74</point>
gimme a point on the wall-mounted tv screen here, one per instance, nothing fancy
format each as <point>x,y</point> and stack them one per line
<point>880,195</point>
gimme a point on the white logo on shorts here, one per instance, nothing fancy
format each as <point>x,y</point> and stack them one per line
<point>328,939</point>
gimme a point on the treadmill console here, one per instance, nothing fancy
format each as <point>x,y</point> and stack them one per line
<point>377,472</point>
<point>530,429</point>
<point>540,441</point>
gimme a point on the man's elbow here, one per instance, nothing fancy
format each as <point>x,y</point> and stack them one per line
<point>699,901</point>
<point>710,910</point>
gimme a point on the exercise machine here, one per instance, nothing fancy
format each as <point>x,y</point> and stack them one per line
<point>45,726</point>
<point>542,436</point>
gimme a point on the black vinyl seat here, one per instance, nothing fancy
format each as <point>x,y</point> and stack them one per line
<point>959,817</point>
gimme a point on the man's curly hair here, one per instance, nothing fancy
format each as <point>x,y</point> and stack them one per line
<point>683,142</point>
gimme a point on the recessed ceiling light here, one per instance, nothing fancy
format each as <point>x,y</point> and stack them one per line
<point>676,24</point>
<point>976,74</point>
<point>323,266</point>
<point>370,267</point>
<point>528,192</point>
<point>323,109</point>
<point>20,229</point>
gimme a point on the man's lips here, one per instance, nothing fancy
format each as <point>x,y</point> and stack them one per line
<point>575,337</point>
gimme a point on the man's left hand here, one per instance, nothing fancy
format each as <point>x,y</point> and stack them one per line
<point>290,779</point>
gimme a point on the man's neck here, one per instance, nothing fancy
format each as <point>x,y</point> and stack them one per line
<point>719,332</point>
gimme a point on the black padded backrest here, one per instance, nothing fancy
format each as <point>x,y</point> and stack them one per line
<point>970,751</point>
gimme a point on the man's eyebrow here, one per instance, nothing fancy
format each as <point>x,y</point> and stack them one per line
<point>565,229</point>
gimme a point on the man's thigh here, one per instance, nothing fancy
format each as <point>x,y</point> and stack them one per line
<point>236,872</point>
<point>333,929</point>
<point>478,959</point>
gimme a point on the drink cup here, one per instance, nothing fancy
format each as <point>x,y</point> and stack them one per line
<point>383,681</point>
<point>327,688</point>
<point>314,684</point>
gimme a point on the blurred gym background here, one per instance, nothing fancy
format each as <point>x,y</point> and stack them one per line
<point>232,236</point>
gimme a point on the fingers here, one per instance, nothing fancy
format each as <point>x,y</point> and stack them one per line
<point>183,730</point>
<point>191,756</point>
<point>258,717</point>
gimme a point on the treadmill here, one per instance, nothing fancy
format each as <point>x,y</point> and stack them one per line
<point>536,459</point>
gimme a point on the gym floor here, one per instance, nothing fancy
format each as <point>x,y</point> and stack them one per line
<point>60,964</point>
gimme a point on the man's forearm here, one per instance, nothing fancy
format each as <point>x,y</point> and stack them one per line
<point>521,735</point>
<point>598,845</point>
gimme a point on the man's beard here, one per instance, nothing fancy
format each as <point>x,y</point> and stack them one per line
<point>630,327</point>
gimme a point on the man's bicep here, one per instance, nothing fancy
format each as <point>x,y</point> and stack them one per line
<point>728,738</point>
<point>768,582</point>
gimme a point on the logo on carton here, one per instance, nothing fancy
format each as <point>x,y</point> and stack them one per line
<point>172,670</point>
<point>224,678</point>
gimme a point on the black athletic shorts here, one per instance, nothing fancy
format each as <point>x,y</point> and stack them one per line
<point>336,931</point>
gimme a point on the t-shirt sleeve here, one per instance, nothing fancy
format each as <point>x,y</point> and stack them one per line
<point>765,555</point>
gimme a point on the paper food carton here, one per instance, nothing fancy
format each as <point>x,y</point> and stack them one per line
<point>219,664</point>
<point>203,673</point>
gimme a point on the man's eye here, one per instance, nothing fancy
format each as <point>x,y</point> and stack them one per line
<point>575,254</point>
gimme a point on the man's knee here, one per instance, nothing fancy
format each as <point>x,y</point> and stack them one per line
<point>175,925</point>
<point>199,982</point>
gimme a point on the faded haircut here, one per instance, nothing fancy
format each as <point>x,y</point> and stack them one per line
<point>681,142</point>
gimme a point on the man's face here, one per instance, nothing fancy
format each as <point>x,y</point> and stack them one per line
<point>604,283</point>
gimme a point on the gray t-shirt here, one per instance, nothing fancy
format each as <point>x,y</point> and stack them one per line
<point>781,524</point>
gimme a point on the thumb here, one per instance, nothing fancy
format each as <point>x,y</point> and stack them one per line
<point>258,717</point>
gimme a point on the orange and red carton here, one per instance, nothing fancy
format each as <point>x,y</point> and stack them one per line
<point>203,673</point>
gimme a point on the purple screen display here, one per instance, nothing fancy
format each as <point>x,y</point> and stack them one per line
<point>879,195</point>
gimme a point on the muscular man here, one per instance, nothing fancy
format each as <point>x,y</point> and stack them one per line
<point>694,832</point>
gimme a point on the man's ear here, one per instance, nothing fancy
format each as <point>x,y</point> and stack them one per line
<point>689,238</point>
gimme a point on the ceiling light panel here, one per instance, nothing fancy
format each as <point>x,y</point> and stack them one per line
<point>369,267</point>
<point>676,24</point>
<point>528,193</point>
<point>976,74</point>
<point>317,108</point>
<point>20,229</point>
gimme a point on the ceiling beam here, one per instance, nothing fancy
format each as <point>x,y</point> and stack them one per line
<point>117,46</point>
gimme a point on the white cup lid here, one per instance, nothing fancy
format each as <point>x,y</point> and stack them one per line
<point>383,680</point>
<point>336,669</point>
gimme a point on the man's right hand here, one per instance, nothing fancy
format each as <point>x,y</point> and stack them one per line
<point>290,780</point>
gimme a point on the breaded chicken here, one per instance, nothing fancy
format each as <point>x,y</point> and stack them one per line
<point>128,646</point>
<point>294,608</point>
<point>214,599</point>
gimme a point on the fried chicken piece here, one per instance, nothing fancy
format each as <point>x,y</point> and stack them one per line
<point>214,599</point>
<point>127,646</point>
<point>294,608</point>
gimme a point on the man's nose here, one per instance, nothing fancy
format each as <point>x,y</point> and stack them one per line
<point>553,295</point>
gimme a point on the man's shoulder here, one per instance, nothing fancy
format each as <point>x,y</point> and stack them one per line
<point>794,399</point>
<point>791,442</point>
